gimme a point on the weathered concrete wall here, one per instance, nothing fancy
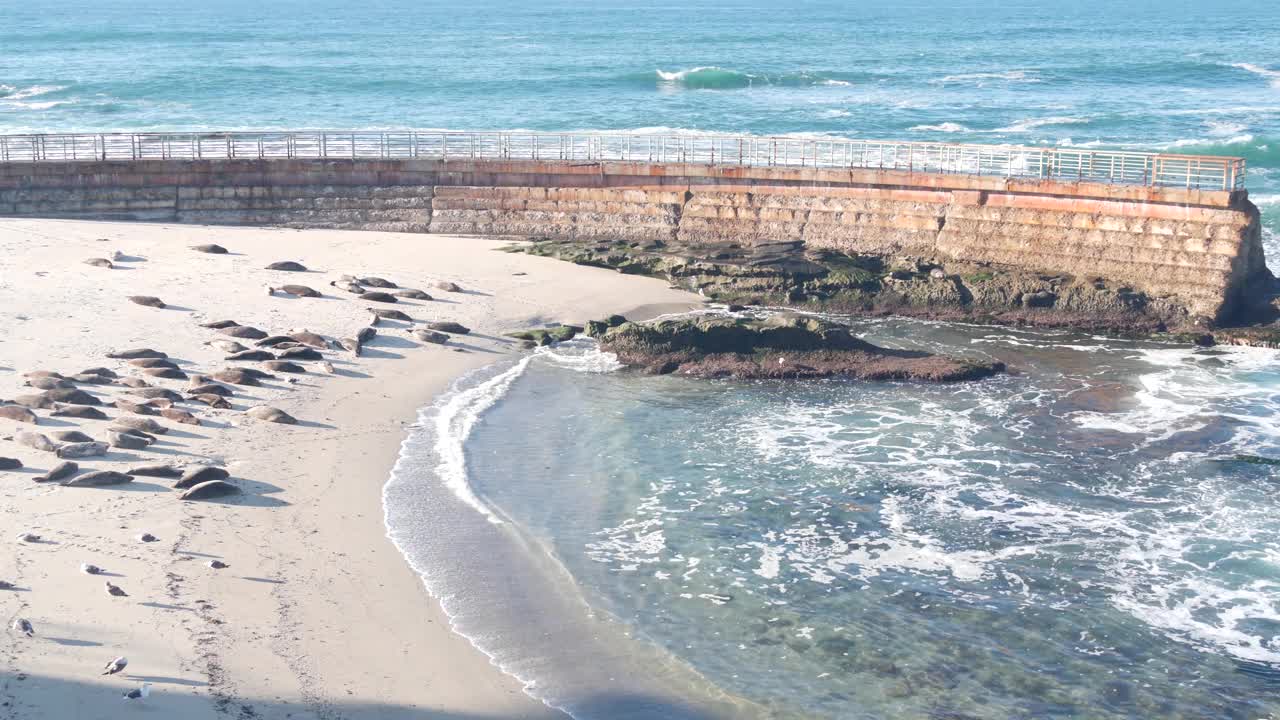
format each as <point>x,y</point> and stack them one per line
<point>1201,247</point>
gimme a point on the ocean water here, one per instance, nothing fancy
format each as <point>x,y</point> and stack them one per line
<point>1178,75</point>
<point>1073,540</point>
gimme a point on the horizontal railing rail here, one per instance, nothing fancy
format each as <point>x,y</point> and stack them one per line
<point>1048,163</point>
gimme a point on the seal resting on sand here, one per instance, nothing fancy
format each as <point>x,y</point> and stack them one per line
<point>308,338</point>
<point>448,286</point>
<point>270,414</point>
<point>411,294</point>
<point>227,346</point>
<point>146,425</point>
<point>158,470</point>
<point>18,413</point>
<point>126,441</point>
<point>211,249</point>
<point>243,331</point>
<point>430,336</point>
<point>70,436</point>
<point>211,389</point>
<point>36,441</point>
<point>449,327</point>
<point>287,266</point>
<point>35,401</point>
<point>365,334</point>
<point>284,366</point>
<point>49,383</point>
<point>375,296</point>
<point>153,363</point>
<point>72,397</point>
<point>193,475</point>
<point>156,392</point>
<point>351,345</point>
<point>148,300</point>
<point>236,376</point>
<point>100,262</point>
<point>181,416</point>
<point>384,314</point>
<point>167,373</point>
<point>378,282</point>
<point>273,340</point>
<point>295,290</point>
<point>82,450</point>
<point>209,490</point>
<point>350,286</point>
<point>133,382</point>
<point>219,324</point>
<point>82,412</point>
<point>98,478</point>
<point>250,356</point>
<point>214,401</point>
<point>133,407</point>
<point>62,470</point>
<point>8,463</point>
<point>300,353</point>
<point>135,353</point>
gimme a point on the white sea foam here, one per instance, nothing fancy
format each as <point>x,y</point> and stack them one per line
<point>982,78</point>
<point>1272,76</point>
<point>12,94</point>
<point>946,127</point>
<point>1224,128</point>
<point>1030,124</point>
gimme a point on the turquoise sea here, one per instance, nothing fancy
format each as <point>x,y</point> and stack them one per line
<point>1075,540</point>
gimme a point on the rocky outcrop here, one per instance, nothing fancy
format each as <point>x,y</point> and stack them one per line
<point>784,346</point>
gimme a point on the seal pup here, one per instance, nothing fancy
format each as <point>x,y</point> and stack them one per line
<point>211,388</point>
<point>179,416</point>
<point>18,413</point>
<point>115,590</point>
<point>133,407</point>
<point>134,382</point>
<point>447,286</point>
<point>148,300</point>
<point>136,353</point>
<point>115,666</point>
<point>23,626</point>
<point>271,414</point>
<point>352,345</point>
<point>58,472</point>
<point>236,376</point>
<point>210,248</point>
<point>287,266</point>
<point>36,441</point>
<point>273,340</point>
<point>100,262</point>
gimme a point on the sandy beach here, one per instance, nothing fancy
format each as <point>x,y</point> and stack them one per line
<point>317,615</point>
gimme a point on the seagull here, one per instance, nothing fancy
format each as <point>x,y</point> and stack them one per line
<point>218,564</point>
<point>147,537</point>
<point>23,625</point>
<point>115,666</point>
<point>88,569</point>
<point>115,590</point>
<point>138,693</point>
<point>29,537</point>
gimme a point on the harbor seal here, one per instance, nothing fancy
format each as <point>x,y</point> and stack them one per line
<point>375,296</point>
<point>273,340</point>
<point>181,416</point>
<point>70,436</point>
<point>378,282</point>
<point>91,379</point>
<point>61,471</point>
<point>351,345</point>
<point>100,262</point>
<point>219,324</point>
<point>133,382</point>
<point>411,294</point>
<point>193,475</point>
<point>82,412</point>
<point>135,353</point>
<point>430,336</point>
<point>18,414</point>
<point>209,490</point>
<point>156,392</point>
<point>350,286</point>
<point>450,327</point>
<point>210,248</point>
<point>101,371</point>
<point>271,414</point>
<point>147,300</point>
<point>8,463</point>
<point>36,401</point>
<point>385,314</point>
<point>299,291</point>
<point>153,363</point>
<point>146,425</point>
<point>98,478</point>
<point>125,441</point>
<point>72,396</point>
<point>283,366</point>
<point>227,346</point>
<point>160,470</point>
<point>214,401</point>
<point>236,376</point>
<point>448,286</point>
<point>36,441</point>
<point>308,338</point>
<point>166,373</point>
<point>82,450</point>
<point>243,331</point>
<point>365,334</point>
<point>287,266</point>
<point>133,407</point>
<point>49,383</point>
<point>211,389</point>
<point>251,356</point>
<point>300,353</point>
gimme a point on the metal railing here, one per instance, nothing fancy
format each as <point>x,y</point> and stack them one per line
<point>1062,164</point>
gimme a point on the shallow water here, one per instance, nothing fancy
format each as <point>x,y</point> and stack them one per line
<point>1076,539</point>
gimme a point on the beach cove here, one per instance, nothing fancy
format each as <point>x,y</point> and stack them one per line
<point>318,613</point>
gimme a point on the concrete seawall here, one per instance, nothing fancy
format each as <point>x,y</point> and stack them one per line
<point>1199,249</point>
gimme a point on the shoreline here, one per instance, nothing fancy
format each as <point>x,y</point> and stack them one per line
<point>310,618</point>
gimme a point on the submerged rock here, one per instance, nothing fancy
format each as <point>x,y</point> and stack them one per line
<point>781,346</point>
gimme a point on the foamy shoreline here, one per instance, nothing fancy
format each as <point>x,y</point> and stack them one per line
<point>318,612</point>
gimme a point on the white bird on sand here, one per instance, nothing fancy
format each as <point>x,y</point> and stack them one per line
<point>115,666</point>
<point>24,626</point>
<point>115,591</point>
<point>89,569</point>
<point>138,693</point>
